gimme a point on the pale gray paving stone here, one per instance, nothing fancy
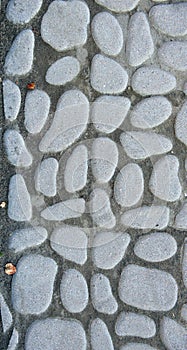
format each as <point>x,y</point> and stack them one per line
<point>137,346</point>
<point>118,5</point>
<point>135,325</point>
<point>27,238</point>
<point>37,104</point>
<point>11,99</point>
<point>100,209</point>
<point>181,218</point>
<point>107,33</point>
<point>19,202</point>
<point>21,12</point>
<point>109,112</point>
<point>184,312</point>
<point>45,177</point>
<point>100,336</point>
<point>173,335</point>
<point>19,58</point>
<point>74,291</point>
<point>32,285</point>
<point>151,112</point>
<point>101,294</point>
<point>69,123</point>
<point>12,345</point>
<point>6,316</point>
<point>152,81</point>
<point>109,248</point>
<point>184,263</point>
<point>142,144</point>
<point>70,242</point>
<point>174,55</point>
<point>56,334</point>
<point>16,149</point>
<point>181,125</point>
<point>104,159</point>
<point>147,289</point>
<point>107,76</point>
<point>71,208</point>
<point>129,185</point>
<point>64,25</point>
<point>63,71</point>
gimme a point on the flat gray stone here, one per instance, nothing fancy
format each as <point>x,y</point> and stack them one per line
<point>100,209</point>
<point>107,76</point>
<point>147,289</point>
<point>19,202</point>
<point>180,124</point>
<point>63,71</point>
<point>6,316</point>
<point>139,46</point>
<point>11,99</point>
<point>100,336</point>
<point>32,285</point>
<point>74,291</point>
<point>101,294</point>
<point>174,55</point>
<point>184,312</point>
<point>16,149</point>
<point>13,340</point>
<point>21,12</point>
<point>54,333</point>
<point>173,335</point>
<point>71,208</point>
<point>137,346</point>
<point>152,81</point>
<point>109,248</point>
<point>45,177</point>
<point>181,218</point>
<point>118,5</point>
<point>70,242</point>
<point>19,58</point>
<point>27,238</point>
<point>156,247</point>
<point>184,263</point>
<point>130,324</point>
<point>64,25</point>
<point>109,112</point>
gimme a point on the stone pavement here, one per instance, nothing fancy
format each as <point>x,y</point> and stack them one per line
<point>94,180</point>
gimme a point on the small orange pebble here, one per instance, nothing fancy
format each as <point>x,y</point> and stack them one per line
<point>3,204</point>
<point>10,269</point>
<point>31,86</point>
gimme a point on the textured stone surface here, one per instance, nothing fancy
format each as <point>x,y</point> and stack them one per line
<point>101,293</point>
<point>6,316</point>
<point>100,209</point>
<point>180,124</point>
<point>16,150</point>
<point>11,99</point>
<point>72,208</point>
<point>135,325</point>
<point>174,55</point>
<point>19,202</point>
<point>173,335</point>
<point>184,263</point>
<point>184,312</point>
<point>27,238</point>
<point>137,346</point>
<point>181,218</point>
<point>118,5</point>
<point>45,177</point>
<point>100,336</point>
<point>63,71</point>
<point>21,12</point>
<point>12,345</point>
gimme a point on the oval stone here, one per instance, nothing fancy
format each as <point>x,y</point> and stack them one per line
<point>135,325</point>
<point>100,336</point>
<point>101,294</point>
<point>174,55</point>
<point>21,12</point>
<point>16,149</point>
<point>100,209</point>
<point>118,5</point>
<point>63,71</point>
<point>173,335</point>
<point>137,346</point>
<point>11,99</point>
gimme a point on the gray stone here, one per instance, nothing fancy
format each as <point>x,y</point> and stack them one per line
<point>153,81</point>
<point>32,285</point>
<point>11,99</point>
<point>6,316</point>
<point>156,247</point>
<point>27,238</point>
<point>181,218</point>
<point>16,150</point>
<point>19,59</point>
<point>137,346</point>
<point>107,76</point>
<point>12,345</point>
<point>100,336</point>
<point>109,248</point>
<point>74,291</point>
<point>173,335</point>
<point>118,5</point>
<point>45,177</point>
<point>184,263</point>
<point>107,33</point>
<point>64,25</point>
<point>71,243</point>
<point>54,333</point>
<point>135,325</point>
<point>184,312</point>
<point>180,124</point>
<point>101,293</point>
<point>174,55</point>
<point>19,202</point>
<point>109,112</point>
<point>21,12</point>
<point>71,208</point>
<point>100,209</point>
<point>147,289</point>
<point>63,71</point>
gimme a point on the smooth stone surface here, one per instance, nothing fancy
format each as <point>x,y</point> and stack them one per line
<point>19,58</point>
<point>75,174</point>
<point>145,217</point>
<point>71,19</point>
<point>101,293</point>
<point>71,208</point>
<point>147,289</point>
<point>139,46</point>
<point>19,202</point>
<point>32,285</point>
<point>118,5</point>
<point>54,333</point>
<point>45,177</point>
<point>70,121</point>
<point>141,144</point>
<point>27,238</point>
<point>11,99</point>
<point>109,112</point>
<point>16,149</point>
<point>63,71</point>
<point>109,248</point>
<point>100,336</point>
<point>107,76</point>
<point>181,218</point>
<point>21,12</point>
<point>104,159</point>
<point>6,316</point>
<point>107,33</point>
<point>180,124</point>
<point>137,346</point>
<point>173,335</point>
<point>152,81</point>
<point>135,325</point>
<point>37,104</point>
<point>74,291</point>
<point>184,263</point>
<point>156,247</point>
<point>129,185</point>
<point>100,209</point>
<point>13,340</point>
<point>70,242</point>
<point>174,55</point>
<point>151,112</point>
<point>184,312</point>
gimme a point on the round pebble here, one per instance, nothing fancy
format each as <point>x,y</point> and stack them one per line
<point>72,208</point>
<point>130,324</point>
<point>27,238</point>
<point>100,336</point>
<point>45,177</point>
<point>174,55</point>
<point>21,12</point>
<point>16,150</point>
<point>63,71</point>
<point>118,5</point>
<point>173,335</point>
<point>100,209</point>
<point>180,124</point>
<point>11,99</point>
<point>101,293</point>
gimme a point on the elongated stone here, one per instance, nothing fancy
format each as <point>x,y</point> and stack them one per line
<point>21,12</point>
<point>17,152</point>
<point>180,124</point>
<point>184,263</point>
<point>100,209</point>
<point>174,55</point>
<point>12,345</point>
<point>100,336</point>
<point>6,316</point>
<point>19,202</point>
<point>27,238</point>
<point>63,71</point>
<point>135,325</point>
<point>118,5</point>
<point>173,335</point>
<point>101,294</point>
<point>72,208</point>
<point>137,346</point>
<point>181,218</point>
<point>45,177</point>
<point>11,99</point>
<point>184,312</point>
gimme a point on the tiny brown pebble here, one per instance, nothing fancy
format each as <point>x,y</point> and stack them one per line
<point>10,269</point>
<point>31,86</point>
<point>3,204</point>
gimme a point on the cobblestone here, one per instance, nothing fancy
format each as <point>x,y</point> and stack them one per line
<point>11,99</point>
<point>63,71</point>
<point>173,54</point>
<point>135,325</point>
<point>27,238</point>
<point>20,12</point>
<point>13,340</point>
<point>45,177</point>
<point>100,209</point>
<point>101,293</point>
<point>100,336</point>
<point>180,124</point>
<point>119,6</point>
<point>72,208</point>
<point>6,316</point>
<point>17,152</point>
<point>181,218</point>
<point>173,335</point>
<point>184,312</point>
<point>184,263</point>
<point>19,202</point>
<point>137,346</point>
